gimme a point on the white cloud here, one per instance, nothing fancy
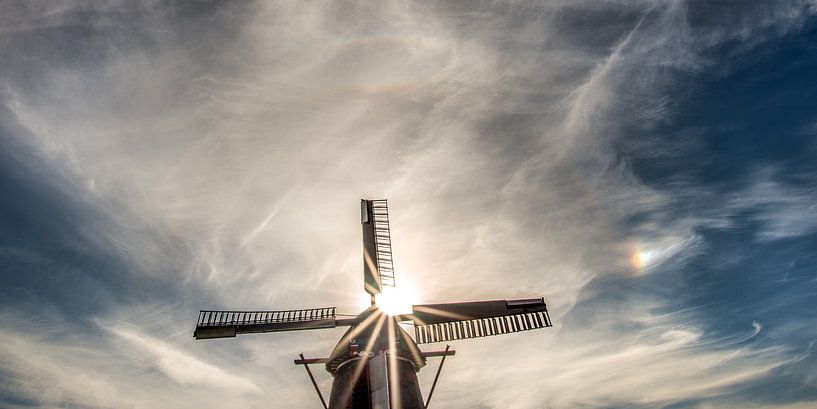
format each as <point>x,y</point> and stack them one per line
<point>179,366</point>
<point>489,130</point>
<point>54,375</point>
<point>783,210</point>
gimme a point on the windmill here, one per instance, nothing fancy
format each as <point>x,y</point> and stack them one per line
<point>375,363</point>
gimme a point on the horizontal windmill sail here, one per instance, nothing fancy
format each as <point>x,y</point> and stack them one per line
<point>452,321</point>
<point>226,324</point>
<point>378,265</point>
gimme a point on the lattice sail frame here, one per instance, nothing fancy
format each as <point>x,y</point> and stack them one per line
<point>382,236</point>
<point>452,321</point>
<point>483,327</point>
<point>223,324</point>
<point>378,263</point>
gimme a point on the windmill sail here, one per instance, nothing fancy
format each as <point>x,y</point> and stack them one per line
<point>378,266</point>
<point>225,324</point>
<point>375,363</point>
<point>446,322</point>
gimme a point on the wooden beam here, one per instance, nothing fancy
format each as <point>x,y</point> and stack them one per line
<point>307,361</point>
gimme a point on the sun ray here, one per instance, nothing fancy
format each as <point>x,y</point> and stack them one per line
<point>381,318</point>
<point>441,313</point>
<point>394,376</point>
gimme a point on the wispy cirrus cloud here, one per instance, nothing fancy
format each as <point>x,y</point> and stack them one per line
<point>782,209</point>
<point>217,155</point>
<point>182,367</point>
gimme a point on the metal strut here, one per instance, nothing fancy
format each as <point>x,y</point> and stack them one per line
<point>437,376</point>
<point>315,384</point>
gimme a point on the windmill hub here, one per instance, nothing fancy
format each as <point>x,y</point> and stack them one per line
<point>396,300</point>
<point>375,363</point>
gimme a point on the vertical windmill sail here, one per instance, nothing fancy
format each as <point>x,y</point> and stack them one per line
<point>378,266</point>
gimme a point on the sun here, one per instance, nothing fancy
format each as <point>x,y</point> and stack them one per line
<point>397,300</point>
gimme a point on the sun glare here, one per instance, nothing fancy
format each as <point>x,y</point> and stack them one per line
<point>397,300</point>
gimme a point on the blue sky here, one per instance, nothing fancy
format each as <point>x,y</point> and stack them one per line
<point>650,168</point>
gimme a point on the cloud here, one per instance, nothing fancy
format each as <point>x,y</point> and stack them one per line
<point>653,364</point>
<point>181,367</point>
<point>224,150</point>
<point>37,371</point>
<point>782,210</point>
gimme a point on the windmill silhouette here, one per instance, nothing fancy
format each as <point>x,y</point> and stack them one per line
<point>375,363</point>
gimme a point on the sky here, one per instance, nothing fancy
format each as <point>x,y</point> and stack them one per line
<point>648,167</point>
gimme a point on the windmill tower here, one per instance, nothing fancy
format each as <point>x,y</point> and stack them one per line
<point>375,363</point>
